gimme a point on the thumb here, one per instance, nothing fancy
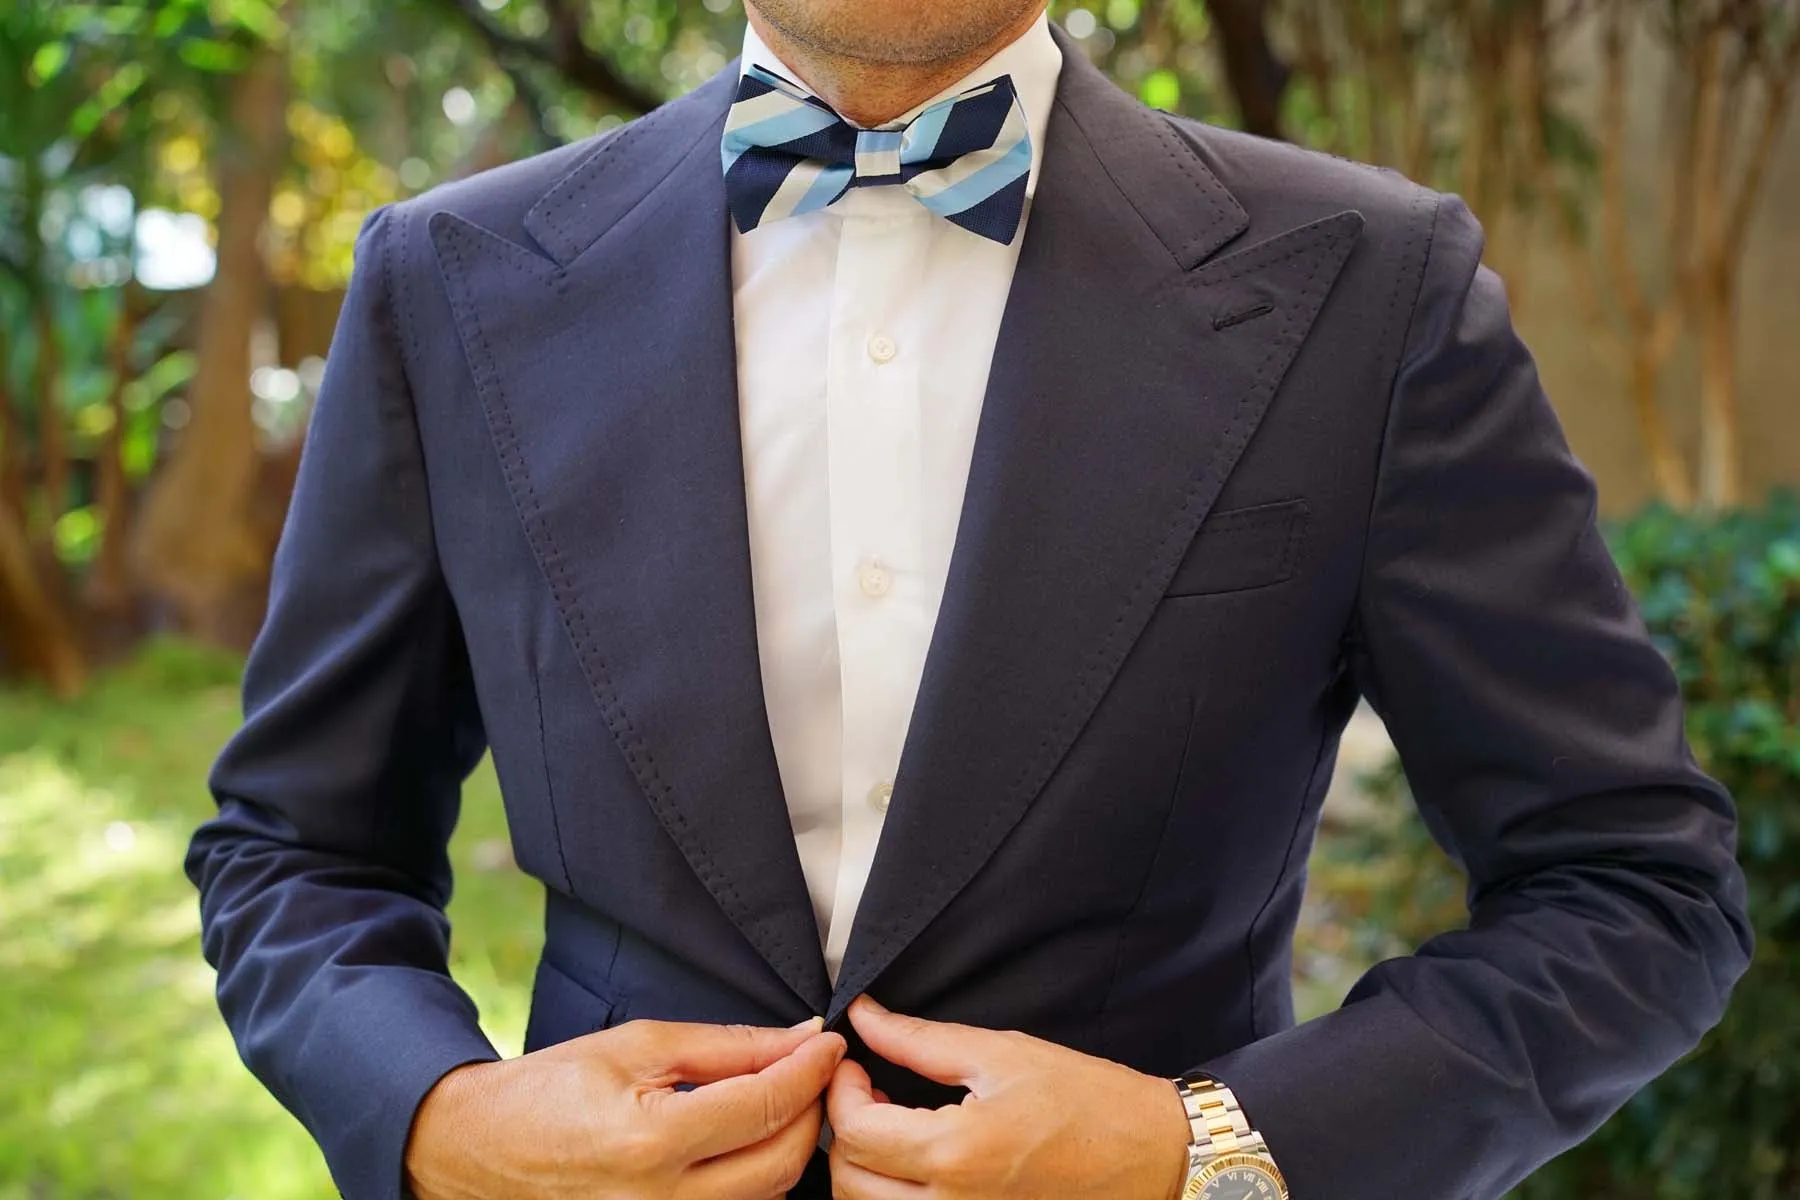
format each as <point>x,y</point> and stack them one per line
<point>850,1092</point>
<point>938,1050</point>
<point>669,1051</point>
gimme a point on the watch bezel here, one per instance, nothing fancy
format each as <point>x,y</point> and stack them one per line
<point>1213,1168</point>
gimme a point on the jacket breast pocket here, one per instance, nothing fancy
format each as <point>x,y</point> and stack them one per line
<point>1243,548</point>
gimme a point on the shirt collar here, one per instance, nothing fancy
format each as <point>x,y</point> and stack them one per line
<point>1033,59</point>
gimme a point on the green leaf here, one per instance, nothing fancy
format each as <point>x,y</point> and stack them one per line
<point>171,371</point>
<point>168,21</point>
<point>123,84</point>
<point>207,54</point>
<point>259,17</point>
<point>47,63</point>
<point>78,535</point>
<point>1784,559</point>
<point>1122,14</point>
<point>1161,89</point>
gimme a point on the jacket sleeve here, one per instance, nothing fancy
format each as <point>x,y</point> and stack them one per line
<point>323,877</point>
<point>1542,734</point>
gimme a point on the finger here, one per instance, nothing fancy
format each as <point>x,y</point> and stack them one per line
<point>946,1053</point>
<point>883,1137</point>
<point>720,1117</point>
<point>766,1169</point>
<point>851,1091</point>
<point>668,1052</point>
<point>852,1182</point>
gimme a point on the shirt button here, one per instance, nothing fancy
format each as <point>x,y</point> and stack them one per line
<point>874,579</point>
<point>882,348</point>
<point>879,795</point>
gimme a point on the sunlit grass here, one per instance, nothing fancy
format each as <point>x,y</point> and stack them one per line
<point>117,1077</point>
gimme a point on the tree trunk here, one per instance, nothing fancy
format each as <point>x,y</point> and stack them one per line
<point>53,445</point>
<point>109,587</point>
<point>1721,484</point>
<point>1710,293</point>
<point>1318,68</point>
<point>12,444</point>
<point>35,637</point>
<point>1668,469</point>
<point>196,551</point>
<point>1258,78</point>
<point>1652,327</point>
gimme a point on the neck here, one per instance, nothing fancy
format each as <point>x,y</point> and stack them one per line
<point>874,93</point>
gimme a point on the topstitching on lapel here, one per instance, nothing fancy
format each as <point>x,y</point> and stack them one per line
<point>1121,395</point>
<point>608,373</point>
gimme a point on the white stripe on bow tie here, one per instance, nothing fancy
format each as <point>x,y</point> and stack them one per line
<point>795,191</point>
<point>746,113</point>
<point>930,183</point>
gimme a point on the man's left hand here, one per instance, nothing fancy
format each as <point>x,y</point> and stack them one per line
<point>1040,1120</point>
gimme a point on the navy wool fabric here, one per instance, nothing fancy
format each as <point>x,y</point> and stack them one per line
<point>1259,440</point>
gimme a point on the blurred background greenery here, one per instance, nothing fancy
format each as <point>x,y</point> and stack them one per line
<point>180,185</point>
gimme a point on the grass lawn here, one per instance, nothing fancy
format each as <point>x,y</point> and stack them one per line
<point>118,1077</point>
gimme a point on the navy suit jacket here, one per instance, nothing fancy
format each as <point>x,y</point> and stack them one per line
<point>1259,439</point>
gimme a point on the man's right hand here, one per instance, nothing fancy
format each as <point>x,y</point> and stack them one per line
<point>599,1117</point>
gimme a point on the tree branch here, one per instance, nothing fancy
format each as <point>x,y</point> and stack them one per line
<point>1615,219</point>
<point>563,51</point>
<point>1777,93</point>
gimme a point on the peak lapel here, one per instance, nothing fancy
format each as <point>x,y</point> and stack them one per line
<point>608,374</point>
<point>1124,388</point>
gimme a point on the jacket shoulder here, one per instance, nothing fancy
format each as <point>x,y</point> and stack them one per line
<point>557,201</point>
<point>1282,185</point>
<point>498,198</point>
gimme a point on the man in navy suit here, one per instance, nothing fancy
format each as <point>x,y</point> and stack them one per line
<point>910,524</point>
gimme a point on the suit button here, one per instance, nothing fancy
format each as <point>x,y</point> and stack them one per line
<point>880,795</point>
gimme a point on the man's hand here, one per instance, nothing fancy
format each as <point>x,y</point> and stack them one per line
<point>1040,1120</point>
<point>599,1117</point>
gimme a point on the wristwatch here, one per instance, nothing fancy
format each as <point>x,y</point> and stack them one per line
<point>1227,1160</point>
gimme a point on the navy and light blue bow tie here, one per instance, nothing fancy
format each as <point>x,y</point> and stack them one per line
<point>966,158</point>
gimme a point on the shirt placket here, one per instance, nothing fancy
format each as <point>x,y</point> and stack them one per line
<point>874,448</point>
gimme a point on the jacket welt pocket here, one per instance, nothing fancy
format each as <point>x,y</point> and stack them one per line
<point>1242,548</point>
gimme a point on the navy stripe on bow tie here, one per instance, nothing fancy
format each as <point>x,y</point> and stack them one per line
<point>966,158</point>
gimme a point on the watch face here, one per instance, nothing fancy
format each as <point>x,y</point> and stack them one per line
<point>1236,1177</point>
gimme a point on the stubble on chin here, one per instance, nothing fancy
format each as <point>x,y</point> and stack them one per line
<point>892,32</point>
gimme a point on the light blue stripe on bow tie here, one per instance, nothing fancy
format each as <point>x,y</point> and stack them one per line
<point>967,158</point>
<point>921,139</point>
<point>984,182</point>
<point>827,187</point>
<point>878,152</point>
<point>796,122</point>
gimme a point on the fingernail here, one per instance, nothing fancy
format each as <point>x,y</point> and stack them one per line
<point>813,1023</point>
<point>873,1003</point>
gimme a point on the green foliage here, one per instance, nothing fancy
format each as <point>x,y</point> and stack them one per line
<point>1723,599</point>
<point>1721,596</point>
<point>120,1079</point>
<point>89,92</point>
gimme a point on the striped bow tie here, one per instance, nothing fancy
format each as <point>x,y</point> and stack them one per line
<point>965,159</point>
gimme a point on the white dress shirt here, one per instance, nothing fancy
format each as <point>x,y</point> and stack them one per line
<point>865,331</point>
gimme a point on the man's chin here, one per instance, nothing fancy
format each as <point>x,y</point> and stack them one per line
<point>894,33</point>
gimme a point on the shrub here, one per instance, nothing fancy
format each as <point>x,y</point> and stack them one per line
<point>1721,596</point>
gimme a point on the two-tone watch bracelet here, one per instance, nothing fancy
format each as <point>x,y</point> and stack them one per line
<point>1217,1123</point>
